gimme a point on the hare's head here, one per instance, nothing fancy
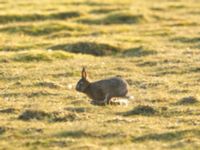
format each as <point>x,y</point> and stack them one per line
<point>83,83</point>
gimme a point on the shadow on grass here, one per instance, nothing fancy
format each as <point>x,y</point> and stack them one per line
<point>168,136</point>
<point>37,30</point>
<point>97,49</point>
<point>117,18</point>
<point>37,17</point>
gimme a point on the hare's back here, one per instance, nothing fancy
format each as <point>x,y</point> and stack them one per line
<point>115,86</point>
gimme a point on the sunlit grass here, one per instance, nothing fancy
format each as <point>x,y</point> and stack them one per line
<point>154,45</point>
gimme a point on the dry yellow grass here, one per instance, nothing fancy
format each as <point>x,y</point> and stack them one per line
<point>154,45</point>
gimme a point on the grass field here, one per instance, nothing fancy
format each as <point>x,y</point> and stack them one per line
<point>154,45</point>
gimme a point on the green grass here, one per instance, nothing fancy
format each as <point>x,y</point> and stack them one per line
<point>154,45</point>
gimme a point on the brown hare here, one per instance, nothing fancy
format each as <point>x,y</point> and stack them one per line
<point>101,92</point>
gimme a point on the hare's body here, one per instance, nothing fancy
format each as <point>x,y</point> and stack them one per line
<point>102,91</point>
<point>107,88</point>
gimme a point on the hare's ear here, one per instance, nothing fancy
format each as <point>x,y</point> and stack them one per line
<point>84,73</point>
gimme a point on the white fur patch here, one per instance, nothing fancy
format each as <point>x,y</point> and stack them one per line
<point>119,101</point>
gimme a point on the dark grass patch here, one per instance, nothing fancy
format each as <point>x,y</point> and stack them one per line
<point>141,110</point>
<point>10,94</point>
<point>78,109</point>
<point>37,30</point>
<point>97,49</point>
<point>90,3</point>
<point>37,17</point>
<point>8,110</point>
<point>38,55</point>
<point>15,47</point>
<point>195,70</point>
<point>187,101</point>
<point>139,52</point>
<point>185,23</point>
<point>192,40</point>
<point>21,47</point>
<point>123,18</point>
<point>31,57</point>
<point>179,6</point>
<point>147,64</point>
<point>118,18</point>
<point>104,10</point>
<point>159,9</point>
<point>27,94</point>
<point>47,84</point>
<point>177,91</point>
<point>65,117</point>
<point>167,136</point>
<point>33,114</point>
<point>50,116</point>
<point>2,130</point>
<point>40,93</point>
<point>84,134</point>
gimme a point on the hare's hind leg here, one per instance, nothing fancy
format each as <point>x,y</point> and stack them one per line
<point>107,99</point>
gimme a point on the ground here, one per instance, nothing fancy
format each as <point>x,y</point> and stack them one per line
<point>154,45</point>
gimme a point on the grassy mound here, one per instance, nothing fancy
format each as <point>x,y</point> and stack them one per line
<point>97,49</point>
<point>187,100</point>
<point>141,110</point>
